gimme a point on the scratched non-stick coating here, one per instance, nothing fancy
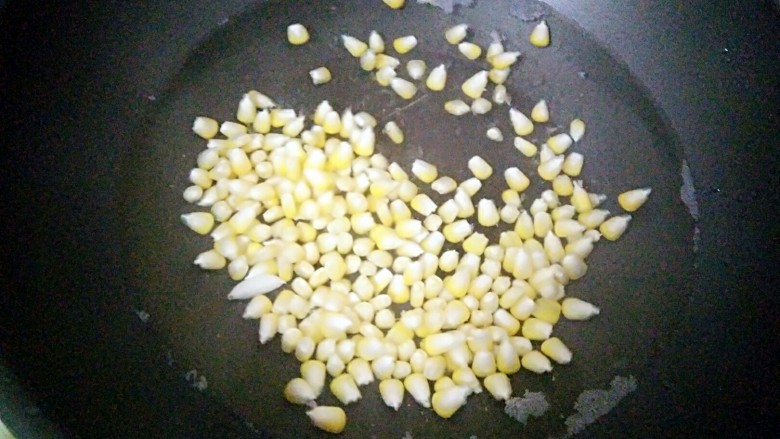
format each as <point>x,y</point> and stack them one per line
<point>637,281</point>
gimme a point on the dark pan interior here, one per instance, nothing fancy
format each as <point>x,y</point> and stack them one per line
<point>639,281</point>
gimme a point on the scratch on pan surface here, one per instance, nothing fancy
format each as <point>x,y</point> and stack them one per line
<point>688,197</point>
<point>405,107</point>
<point>447,5</point>
<point>593,404</point>
<point>531,404</point>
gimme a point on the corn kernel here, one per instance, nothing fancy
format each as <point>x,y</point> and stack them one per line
<point>577,309</point>
<point>392,392</point>
<point>444,185</point>
<point>487,213</point>
<point>385,75</point>
<point>425,171</point>
<point>456,107</point>
<point>507,358</point>
<point>457,231</point>
<point>328,418</point>
<point>556,350</point>
<point>498,76</point>
<point>456,34</point>
<point>405,44</point>
<point>418,387</point>
<point>479,167</point>
<point>484,363</point>
<point>540,35</point>
<point>536,362</point>
<point>550,169</point>
<point>632,200</point>
<point>576,129</point>
<point>474,86</point>
<point>536,329</point>
<point>572,165</point>
<point>494,134</point>
<point>613,228</point>
<point>205,127</point>
<point>470,50</point>
<point>354,46</point>
<point>499,386</point>
<point>520,122</point>
<point>403,88</point>
<point>503,60</point>
<point>437,78</point>
<point>481,106</point>
<point>448,400</point>
<point>559,143</point>
<point>297,34</point>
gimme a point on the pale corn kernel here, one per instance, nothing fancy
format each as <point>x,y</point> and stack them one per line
<point>593,218</point>
<point>328,418</point>
<point>383,366</point>
<point>447,401</point>
<point>405,44</point>
<point>335,365</point>
<point>458,283</point>
<point>299,391</point>
<point>516,179</point>
<point>559,143</point>
<point>394,4</point>
<point>205,127</point>
<point>494,134</point>
<point>487,213</point>
<point>540,35</point>
<point>522,125</point>
<point>480,168</point>
<point>524,227</point>
<point>416,68</point>
<point>525,147</point>
<point>556,350</point>
<point>481,106</point>
<point>456,107</point>
<point>523,308</point>
<point>434,367</point>
<point>503,60</point>
<point>394,132</point>
<point>457,231</point>
<point>574,266</point>
<point>199,222</point>
<point>418,387</point>
<point>456,34</point>
<point>547,310</point>
<point>507,357</point>
<point>580,199</point>
<point>475,243</point>
<point>375,42</point>
<point>553,247</point>
<point>613,228</point>
<point>320,75</point>
<point>470,50</point>
<point>511,197</point>
<point>550,169</point>
<point>384,60</point>
<point>471,186</point>
<point>499,386</point>
<point>192,194</point>
<point>474,86</point>
<point>425,171</point>
<point>562,185</point>
<point>509,213</point>
<point>541,112</point>
<point>572,165</point>
<point>232,129</point>
<point>632,200</point>
<point>565,228</point>
<point>422,204</point>
<point>496,47</point>
<point>297,34</point>
<point>246,110</point>
<point>444,185</point>
<point>577,309</point>
<point>536,362</point>
<point>385,75</point>
<point>407,190</point>
<point>500,95</point>
<point>368,60</point>
<point>437,78</point>
<point>484,363</point>
<point>257,307</point>
<point>354,46</point>
<point>313,372</point>
<point>448,211</point>
<point>576,129</point>
<point>392,392</point>
<point>210,260</point>
<point>536,329</point>
<point>498,76</point>
<point>433,243</point>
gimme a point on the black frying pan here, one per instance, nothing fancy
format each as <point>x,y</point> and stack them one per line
<point>99,361</point>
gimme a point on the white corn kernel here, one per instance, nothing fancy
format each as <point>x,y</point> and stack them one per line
<point>392,131</point>
<point>320,75</point>
<point>503,60</point>
<point>328,418</point>
<point>516,179</point>
<point>522,125</point>
<point>416,69</point>
<point>447,401</point>
<point>536,329</point>
<point>500,95</point>
<point>572,165</point>
<point>577,129</point>
<point>423,204</point>
<point>474,86</point>
<point>577,309</point>
<point>499,386</point>
<point>437,78</point>
<point>299,391</point>
<point>385,75</point>
<point>354,46</point>
<point>456,34</point>
<point>313,372</point>
<point>444,185</point>
<point>613,228</point>
<point>481,106</point>
<point>540,112</point>
<point>494,134</point>
<point>457,231</point>
<point>540,35</point>
<point>205,127</point>
<point>487,213</point>
<point>418,387</point>
<point>498,76</point>
<point>550,169</point>
<point>536,362</point>
<point>559,143</point>
<point>368,60</point>
<point>556,350</point>
<point>392,392</point>
<point>484,363</point>
<point>199,222</point>
<point>425,171</point>
<point>479,167</point>
<point>456,107</point>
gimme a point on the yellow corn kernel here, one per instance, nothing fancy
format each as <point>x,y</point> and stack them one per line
<point>199,222</point>
<point>354,46</point>
<point>474,86</point>
<point>559,143</point>
<point>395,4</point>
<point>313,372</point>
<point>572,165</point>
<point>392,392</point>
<point>448,400</point>
<point>536,329</point>
<point>503,319</point>
<point>479,167</point>
<point>495,134</point>
<point>499,386</point>
<point>299,391</point>
<point>577,309</point>
<point>525,147</point>
<point>470,50</point>
<point>520,122</point>
<point>507,358</point>
<point>562,185</point>
<point>593,218</point>
<point>516,179</point>
<point>487,213</point>
<point>633,199</point>
<point>550,169</point>
<point>418,387</point>
<point>503,60</point>
<point>458,283</point>
<point>484,363</point>
<point>580,199</point>
<point>456,34</point>
<point>405,44</point>
<point>403,88</point>
<point>576,129</point>
<point>368,60</point>
<point>613,228</point>
<point>481,106</point>
<point>205,127</point>
<point>498,76</point>
<point>425,171</point>
<point>475,243</point>
<point>547,310</point>
<point>416,68</point>
<point>456,107</point>
<point>536,362</point>
<point>437,78</point>
<point>297,34</point>
<point>328,418</point>
<point>574,266</point>
<point>375,42</point>
<point>540,35</point>
<point>540,112</point>
<point>556,350</point>
<point>385,75</point>
<point>457,231</point>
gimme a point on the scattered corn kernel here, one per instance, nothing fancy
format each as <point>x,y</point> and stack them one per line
<point>437,78</point>
<point>498,76</point>
<point>205,127</point>
<point>632,200</point>
<point>297,34</point>
<point>577,129</point>
<point>328,418</point>
<point>495,134</point>
<point>470,50</point>
<point>447,401</point>
<point>540,35</point>
<point>481,106</point>
<point>456,107</point>
<point>354,46</point>
<point>299,391</point>
<point>392,392</point>
<point>405,44</point>
<point>403,88</point>
<point>503,60</point>
<point>613,228</point>
<point>425,171</point>
<point>474,86</point>
<point>499,386</point>
<point>559,143</point>
<point>417,386</point>
<point>416,69</point>
<point>479,167</point>
<point>393,131</point>
<point>556,350</point>
<point>520,122</point>
<point>456,34</point>
<point>487,213</point>
<point>536,362</point>
<point>375,42</point>
<point>540,112</point>
<point>578,309</point>
<point>516,179</point>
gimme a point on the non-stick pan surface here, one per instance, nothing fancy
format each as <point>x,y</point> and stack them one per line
<point>92,241</point>
<point>637,281</point>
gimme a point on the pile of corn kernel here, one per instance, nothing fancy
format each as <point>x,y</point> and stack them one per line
<point>351,238</point>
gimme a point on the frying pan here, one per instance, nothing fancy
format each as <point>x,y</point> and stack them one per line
<point>99,106</point>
